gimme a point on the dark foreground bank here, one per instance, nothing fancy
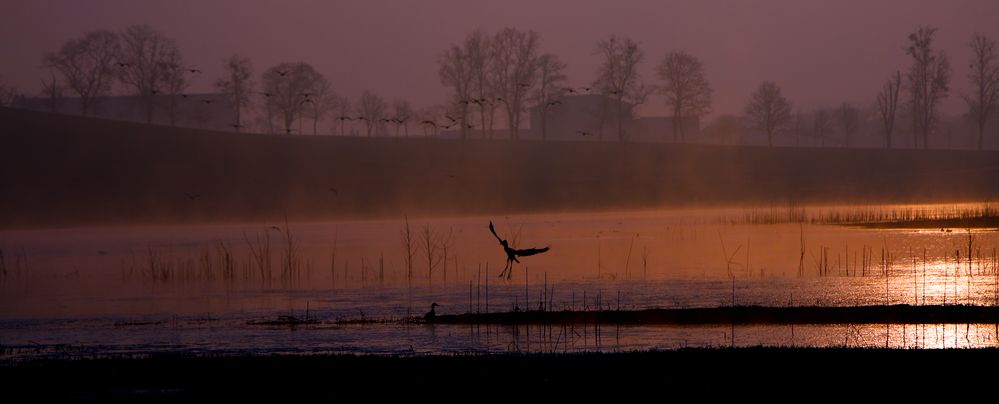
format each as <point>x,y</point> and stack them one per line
<point>339,376</point>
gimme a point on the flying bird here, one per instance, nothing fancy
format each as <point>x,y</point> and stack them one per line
<point>123,65</point>
<point>192,196</point>
<point>583,133</point>
<point>556,102</point>
<point>283,73</point>
<point>430,123</point>
<point>451,118</point>
<point>193,70</point>
<point>512,254</point>
<point>207,101</point>
<point>334,191</point>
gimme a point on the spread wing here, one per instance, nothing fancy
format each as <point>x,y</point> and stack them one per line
<point>531,251</point>
<point>493,230</point>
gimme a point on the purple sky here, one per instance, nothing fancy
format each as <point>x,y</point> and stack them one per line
<point>821,52</point>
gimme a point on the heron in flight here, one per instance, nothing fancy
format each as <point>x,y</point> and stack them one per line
<point>512,253</point>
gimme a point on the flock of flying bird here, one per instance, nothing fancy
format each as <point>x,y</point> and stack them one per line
<point>452,121</point>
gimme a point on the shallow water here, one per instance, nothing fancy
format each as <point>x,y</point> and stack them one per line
<point>137,290</point>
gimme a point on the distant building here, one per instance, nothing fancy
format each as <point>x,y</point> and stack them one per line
<point>594,116</point>
<point>202,111</point>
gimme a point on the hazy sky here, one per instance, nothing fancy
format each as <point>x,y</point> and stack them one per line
<point>821,52</point>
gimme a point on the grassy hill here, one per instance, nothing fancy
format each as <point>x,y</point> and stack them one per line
<point>63,170</point>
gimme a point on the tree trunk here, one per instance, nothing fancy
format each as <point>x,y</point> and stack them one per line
<point>620,119</point>
<point>544,122</point>
<point>677,130</point>
<point>981,133</point>
<point>149,109</point>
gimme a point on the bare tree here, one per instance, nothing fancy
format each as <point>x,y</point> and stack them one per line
<point>799,126</point>
<point>401,114</point>
<point>52,91</point>
<point>768,110</point>
<point>288,86</point>
<point>551,86</point>
<point>237,84</point>
<point>928,83</point>
<point>821,124</point>
<point>174,83</point>
<point>984,77</point>
<point>849,120</point>
<point>343,108</point>
<point>480,56</point>
<point>888,105</point>
<point>687,91</point>
<point>145,62</point>
<point>514,72</point>
<point>372,109</point>
<point>618,75</point>
<point>318,102</point>
<point>8,95</point>
<point>87,65</point>
<point>429,119</point>
<point>456,72</point>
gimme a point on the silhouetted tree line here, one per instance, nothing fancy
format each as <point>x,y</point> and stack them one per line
<point>493,77</point>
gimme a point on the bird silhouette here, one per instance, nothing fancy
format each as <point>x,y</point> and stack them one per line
<point>583,133</point>
<point>123,65</point>
<point>429,123</point>
<point>193,70</point>
<point>512,253</point>
<point>207,101</point>
<point>432,314</point>
<point>236,126</point>
<point>570,90</point>
<point>184,96</point>
<point>283,73</point>
<point>192,196</point>
<point>451,118</point>
<point>556,102</point>
<point>334,191</point>
<point>586,89</point>
<point>344,118</point>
